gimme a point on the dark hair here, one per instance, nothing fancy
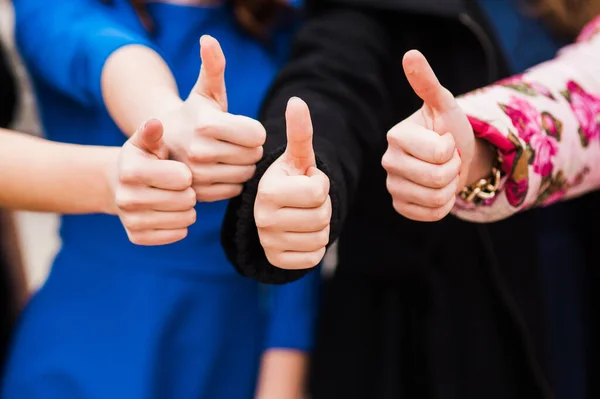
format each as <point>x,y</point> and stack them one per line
<point>566,16</point>
<point>255,16</point>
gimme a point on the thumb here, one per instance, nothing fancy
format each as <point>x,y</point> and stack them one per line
<point>211,81</point>
<point>149,139</point>
<point>425,84</point>
<point>299,151</point>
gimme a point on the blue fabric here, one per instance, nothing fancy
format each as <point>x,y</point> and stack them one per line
<point>526,42</point>
<point>116,320</point>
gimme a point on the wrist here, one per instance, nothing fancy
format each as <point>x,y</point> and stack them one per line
<point>109,168</point>
<point>483,161</point>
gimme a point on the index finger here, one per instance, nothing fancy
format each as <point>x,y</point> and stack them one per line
<point>239,130</point>
<point>297,191</point>
<point>161,174</point>
<point>422,143</point>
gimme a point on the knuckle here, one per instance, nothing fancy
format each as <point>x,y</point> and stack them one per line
<point>312,259</point>
<point>393,135</point>
<point>438,213</point>
<point>386,161</point>
<point>267,241</point>
<point>247,173</point>
<point>258,134</point>
<point>255,154</point>
<point>190,198</point>
<point>129,172</point>
<point>322,238</point>
<point>203,193</point>
<point>438,198</point>
<point>190,218</point>
<point>323,217</point>
<point>133,222</point>
<point>236,190</point>
<point>201,153</point>
<point>262,218</point>
<point>137,239</point>
<point>438,178</point>
<point>438,153</point>
<point>205,126</point>
<point>317,193</point>
<point>390,184</point>
<point>207,197</point>
<point>274,258</point>
<point>267,194</point>
<point>399,207</point>
<point>126,201</point>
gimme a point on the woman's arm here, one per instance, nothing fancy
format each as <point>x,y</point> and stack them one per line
<point>151,194</point>
<point>80,49</point>
<point>546,125</point>
<point>83,50</point>
<point>292,313</point>
<point>282,374</point>
<point>44,176</point>
<point>338,67</point>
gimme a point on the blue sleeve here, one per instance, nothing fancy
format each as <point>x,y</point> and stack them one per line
<point>293,312</point>
<point>64,43</point>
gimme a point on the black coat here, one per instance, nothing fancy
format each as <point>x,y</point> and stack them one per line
<point>416,310</point>
<point>8,296</point>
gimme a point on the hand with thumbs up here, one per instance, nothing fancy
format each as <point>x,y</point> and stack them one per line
<point>429,154</point>
<point>153,194</point>
<point>293,208</point>
<point>220,149</point>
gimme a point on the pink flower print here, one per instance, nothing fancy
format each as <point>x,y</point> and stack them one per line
<point>545,148</point>
<point>541,89</point>
<point>552,126</point>
<point>532,89</point>
<point>524,116</point>
<point>516,192</point>
<point>586,108</point>
<point>511,80</point>
<point>489,133</point>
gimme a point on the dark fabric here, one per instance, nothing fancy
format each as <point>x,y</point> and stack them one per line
<point>8,93</point>
<point>415,310</point>
<point>8,306</point>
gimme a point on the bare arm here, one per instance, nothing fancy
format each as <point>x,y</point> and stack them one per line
<point>282,374</point>
<point>137,85</point>
<point>39,175</point>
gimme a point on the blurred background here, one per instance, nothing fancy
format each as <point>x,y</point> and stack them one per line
<point>37,231</point>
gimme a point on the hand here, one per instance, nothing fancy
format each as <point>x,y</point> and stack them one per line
<point>220,149</point>
<point>153,195</point>
<point>430,153</point>
<point>293,208</point>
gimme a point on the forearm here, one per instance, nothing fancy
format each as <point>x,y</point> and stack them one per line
<point>137,85</point>
<point>39,175</point>
<point>282,374</point>
<point>545,125</point>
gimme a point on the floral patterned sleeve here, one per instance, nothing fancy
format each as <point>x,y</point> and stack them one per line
<point>546,125</point>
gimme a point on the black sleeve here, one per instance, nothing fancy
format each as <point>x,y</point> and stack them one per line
<point>338,63</point>
<point>8,92</point>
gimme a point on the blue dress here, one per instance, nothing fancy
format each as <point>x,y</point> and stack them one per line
<point>115,320</point>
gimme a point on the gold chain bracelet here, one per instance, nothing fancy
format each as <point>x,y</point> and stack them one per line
<point>484,189</point>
